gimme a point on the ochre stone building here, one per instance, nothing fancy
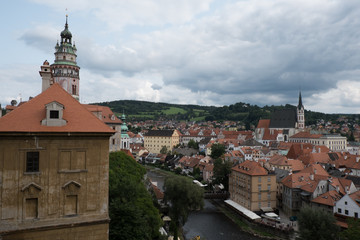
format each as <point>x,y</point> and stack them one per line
<point>54,163</point>
<point>252,186</point>
<point>155,140</point>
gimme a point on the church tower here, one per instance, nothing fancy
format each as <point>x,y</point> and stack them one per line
<point>125,139</point>
<point>300,114</point>
<point>64,70</point>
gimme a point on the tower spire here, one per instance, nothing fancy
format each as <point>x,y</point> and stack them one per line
<point>300,105</point>
<point>300,114</point>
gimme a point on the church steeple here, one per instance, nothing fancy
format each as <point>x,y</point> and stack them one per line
<point>300,113</point>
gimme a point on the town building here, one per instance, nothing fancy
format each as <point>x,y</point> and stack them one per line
<point>348,205</point>
<point>54,167</point>
<point>109,118</point>
<point>252,186</point>
<point>155,140</point>
<point>335,142</point>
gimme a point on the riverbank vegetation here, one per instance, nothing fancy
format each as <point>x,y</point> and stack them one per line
<point>131,209</point>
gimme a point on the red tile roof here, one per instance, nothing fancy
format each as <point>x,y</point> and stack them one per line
<point>106,113</point>
<point>279,160</point>
<point>316,169</point>
<point>356,197</point>
<point>250,168</point>
<point>296,165</point>
<point>263,123</point>
<point>328,198</point>
<point>305,135</point>
<point>27,117</point>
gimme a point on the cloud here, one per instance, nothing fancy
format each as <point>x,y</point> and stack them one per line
<point>22,82</point>
<point>257,51</point>
<point>42,37</point>
<point>118,14</point>
<point>156,87</point>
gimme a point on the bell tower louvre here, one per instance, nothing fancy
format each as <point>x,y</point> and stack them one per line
<point>64,70</point>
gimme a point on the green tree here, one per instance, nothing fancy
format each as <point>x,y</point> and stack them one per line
<point>164,150</point>
<point>351,138</point>
<point>353,231</point>
<point>193,144</point>
<point>196,173</point>
<point>184,196</point>
<point>217,150</point>
<point>222,170</point>
<point>316,224</point>
<point>130,204</point>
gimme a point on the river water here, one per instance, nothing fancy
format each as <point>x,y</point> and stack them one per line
<point>209,223</point>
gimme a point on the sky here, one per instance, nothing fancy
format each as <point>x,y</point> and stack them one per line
<point>204,52</point>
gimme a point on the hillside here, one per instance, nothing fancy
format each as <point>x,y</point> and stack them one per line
<point>244,112</point>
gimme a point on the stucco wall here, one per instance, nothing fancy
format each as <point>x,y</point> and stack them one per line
<point>70,167</point>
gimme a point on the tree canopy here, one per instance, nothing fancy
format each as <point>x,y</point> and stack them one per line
<point>217,150</point>
<point>317,225</point>
<point>193,144</point>
<point>164,150</point>
<point>184,196</point>
<point>353,231</point>
<point>222,170</point>
<point>131,209</point>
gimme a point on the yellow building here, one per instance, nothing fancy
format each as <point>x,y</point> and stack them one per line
<point>252,186</point>
<point>54,168</point>
<point>155,140</point>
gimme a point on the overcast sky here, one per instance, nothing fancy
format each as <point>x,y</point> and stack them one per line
<point>206,52</point>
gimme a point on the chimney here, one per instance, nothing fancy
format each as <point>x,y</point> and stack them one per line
<point>347,190</point>
<point>314,170</point>
<point>337,188</point>
<point>312,177</point>
<point>357,159</point>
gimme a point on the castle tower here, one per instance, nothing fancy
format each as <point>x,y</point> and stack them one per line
<point>65,70</point>
<point>300,114</point>
<point>125,139</point>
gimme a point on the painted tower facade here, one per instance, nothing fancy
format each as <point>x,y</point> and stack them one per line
<point>125,139</point>
<point>64,70</point>
<point>300,114</point>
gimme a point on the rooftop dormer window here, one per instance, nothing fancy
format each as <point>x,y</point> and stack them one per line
<point>54,115</point>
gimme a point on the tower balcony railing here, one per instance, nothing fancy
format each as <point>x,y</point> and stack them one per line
<point>65,75</point>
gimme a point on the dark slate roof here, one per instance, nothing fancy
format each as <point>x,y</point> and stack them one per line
<point>251,142</point>
<point>281,174</point>
<point>285,118</point>
<point>205,140</point>
<point>355,179</point>
<point>160,133</point>
<point>185,151</point>
<point>333,156</point>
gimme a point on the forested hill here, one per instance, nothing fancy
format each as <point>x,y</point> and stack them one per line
<point>247,113</point>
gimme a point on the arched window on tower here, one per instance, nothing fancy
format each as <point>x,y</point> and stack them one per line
<point>73,89</point>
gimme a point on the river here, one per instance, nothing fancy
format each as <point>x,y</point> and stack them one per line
<point>209,223</point>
